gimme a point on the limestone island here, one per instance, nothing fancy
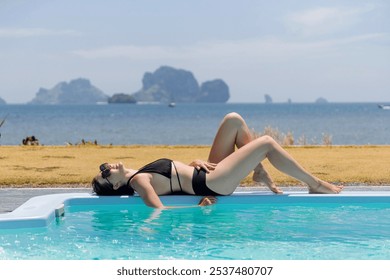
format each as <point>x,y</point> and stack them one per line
<point>165,85</point>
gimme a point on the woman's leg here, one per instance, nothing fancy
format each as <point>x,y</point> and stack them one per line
<point>234,132</point>
<point>231,170</point>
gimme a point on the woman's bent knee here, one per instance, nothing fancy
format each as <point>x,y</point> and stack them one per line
<point>233,117</point>
<point>267,141</point>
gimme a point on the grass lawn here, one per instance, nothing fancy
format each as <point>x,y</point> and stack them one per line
<point>76,165</point>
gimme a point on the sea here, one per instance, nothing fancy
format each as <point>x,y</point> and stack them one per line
<point>192,124</point>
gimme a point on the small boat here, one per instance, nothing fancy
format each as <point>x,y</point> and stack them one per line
<point>172,104</point>
<point>384,107</point>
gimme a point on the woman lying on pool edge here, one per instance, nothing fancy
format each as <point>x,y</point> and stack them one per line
<point>220,175</point>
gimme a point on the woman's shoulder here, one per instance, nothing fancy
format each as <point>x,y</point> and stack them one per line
<point>140,180</point>
<point>140,177</point>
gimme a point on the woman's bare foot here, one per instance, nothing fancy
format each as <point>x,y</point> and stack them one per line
<point>325,188</point>
<point>260,175</point>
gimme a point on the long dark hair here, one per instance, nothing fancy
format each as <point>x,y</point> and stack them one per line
<point>107,188</point>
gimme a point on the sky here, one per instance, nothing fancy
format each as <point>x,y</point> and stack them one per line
<point>298,50</point>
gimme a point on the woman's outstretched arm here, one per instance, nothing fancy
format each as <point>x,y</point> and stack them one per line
<point>146,191</point>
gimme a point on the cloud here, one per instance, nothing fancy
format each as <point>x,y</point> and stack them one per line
<point>34,32</point>
<point>250,49</point>
<point>325,20</point>
<point>129,51</point>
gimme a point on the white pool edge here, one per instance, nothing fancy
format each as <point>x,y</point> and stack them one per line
<point>40,211</point>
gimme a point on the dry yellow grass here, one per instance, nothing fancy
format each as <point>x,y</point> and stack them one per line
<point>76,165</point>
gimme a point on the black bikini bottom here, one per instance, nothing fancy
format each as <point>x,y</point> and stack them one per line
<point>199,183</point>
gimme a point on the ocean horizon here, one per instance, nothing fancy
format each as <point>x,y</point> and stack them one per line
<point>192,123</point>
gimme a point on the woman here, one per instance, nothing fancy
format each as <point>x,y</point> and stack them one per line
<point>225,168</point>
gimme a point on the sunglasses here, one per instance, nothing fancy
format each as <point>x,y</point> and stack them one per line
<point>105,170</point>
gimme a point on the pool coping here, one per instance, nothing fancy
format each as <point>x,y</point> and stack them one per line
<point>40,211</point>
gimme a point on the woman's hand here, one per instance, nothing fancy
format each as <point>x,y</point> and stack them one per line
<point>207,200</point>
<point>200,164</point>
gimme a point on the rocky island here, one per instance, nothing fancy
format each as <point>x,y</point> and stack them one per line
<point>321,100</point>
<point>78,91</point>
<point>165,85</point>
<point>2,101</point>
<point>168,84</point>
<point>121,98</point>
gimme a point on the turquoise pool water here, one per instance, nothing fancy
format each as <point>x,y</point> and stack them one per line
<point>298,231</point>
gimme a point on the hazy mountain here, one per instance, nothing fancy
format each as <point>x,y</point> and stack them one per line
<point>78,91</point>
<point>122,98</point>
<point>321,100</point>
<point>214,91</point>
<point>165,85</point>
<point>168,84</point>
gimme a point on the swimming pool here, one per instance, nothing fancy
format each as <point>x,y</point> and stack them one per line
<point>245,226</point>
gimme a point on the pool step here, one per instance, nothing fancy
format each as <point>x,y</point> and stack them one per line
<point>60,211</point>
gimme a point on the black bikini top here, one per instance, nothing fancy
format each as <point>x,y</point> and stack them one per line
<point>161,166</point>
